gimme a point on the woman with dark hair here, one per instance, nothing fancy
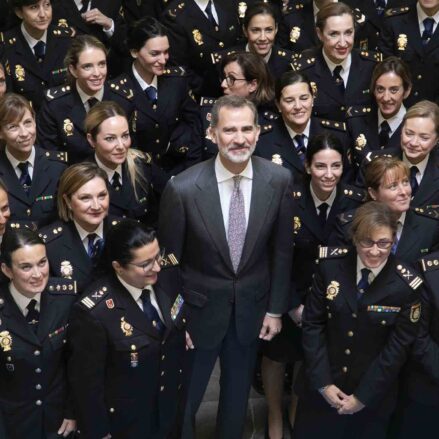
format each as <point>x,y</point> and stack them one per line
<point>128,170</point>
<point>242,74</point>
<point>379,126</point>
<point>285,139</point>
<point>30,173</point>
<point>74,242</point>
<point>387,180</point>
<point>127,341</point>
<point>166,121</point>
<point>34,396</point>
<point>34,50</point>
<point>61,118</point>
<point>359,321</point>
<point>341,73</point>
<point>318,201</point>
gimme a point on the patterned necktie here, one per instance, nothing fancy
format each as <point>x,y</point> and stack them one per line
<point>151,93</point>
<point>115,182</point>
<point>336,74</point>
<point>151,312</point>
<point>237,226</point>
<point>323,213</point>
<point>413,180</point>
<point>32,315</point>
<point>209,13</point>
<point>363,283</point>
<point>94,247</point>
<point>25,180</point>
<point>40,50</point>
<point>384,134</point>
<point>428,30</point>
<point>300,146</point>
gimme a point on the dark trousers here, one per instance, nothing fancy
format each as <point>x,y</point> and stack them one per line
<point>237,364</point>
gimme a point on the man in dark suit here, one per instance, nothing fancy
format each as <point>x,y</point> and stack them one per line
<point>228,220</point>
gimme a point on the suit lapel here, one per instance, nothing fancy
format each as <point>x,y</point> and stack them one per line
<point>429,180</point>
<point>413,32</point>
<point>73,244</point>
<point>323,72</point>
<point>39,184</point>
<point>208,203</point>
<point>142,102</point>
<point>8,174</point>
<point>48,315</point>
<point>309,214</point>
<point>286,144</point>
<point>348,279</point>
<point>409,236</point>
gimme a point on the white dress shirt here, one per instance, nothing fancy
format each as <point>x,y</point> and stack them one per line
<point>422,165</point>
<point>83,234</point>
<point>202,4</point>
<point>293,133</point>
<point>143,84</point>
<point>394,121</point>
<point>346,66</point>
<point>317,201</point>
<point>23,301</point>
<point>110,172</point>
<point>85,97</point>
<point>14,162</point>
<point>422,16</point>
<point>30,39</point>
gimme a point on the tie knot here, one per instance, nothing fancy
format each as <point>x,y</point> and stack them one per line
<point>151,93</point>
<point>300,140</point>
<point>236,181</point>
<point>365,273</point>
<point>428,24</point>
<point>385,126</point>
<point>323,208</point>
<point>92,237</point>
<point>337,71</point>
<point>146,292</point>
<point>31,305</point>
<point>413,171</point>
<point>23,167</point>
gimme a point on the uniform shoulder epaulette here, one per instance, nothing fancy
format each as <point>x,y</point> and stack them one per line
<point>62,22</point>
<point>61,285</point>
<point>169,260</point>
<point>175,11</point>
<point>371,55</point>
<point>303,62</point>
<point>51,233</point>
<point>409,276</point>
<point>297,192</point>
<point>333,124</point>
<point>428,211</point>
<point>345,217</point>
<point>10,40</point>
<point>393,12</point>
<point>58,156</point>
<point>266,128</point>
<point>22,224</point>
<point>270,115</point>
<point>288,54</point>
<point>218,56</point>
<point>174,71</point>
<point>371,155</point>
<point>354,192</point>
<point>207,102</point>
<point>332,252</point>
<point>293,8</point>
<point>120,87</point>
<point>430,263</point>
<point>92,299</point>
<point>63,32</point>
<point>57,92</point>
<point>358,110</point>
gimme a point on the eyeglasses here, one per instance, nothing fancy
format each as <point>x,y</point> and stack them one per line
<point>230,80</point>
<point>148,265</point>
<point>382,244</point>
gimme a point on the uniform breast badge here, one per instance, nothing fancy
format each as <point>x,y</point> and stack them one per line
<point>66,269</point>
<point>242,7</point>
<point>402,41</point>
<point>198,38</point>
<point>5,341</point>
<point>332,290</point>
<point>68,127</point>
<point>127,328</point>
<point>415,313</point>
<point>295,34</point>
<point>297,224</point>
<point>19,72</point>
<point>360,142</point>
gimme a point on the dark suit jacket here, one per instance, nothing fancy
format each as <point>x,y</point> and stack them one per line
<point>330,103</point>
<point>423,61</point>
<point>191,226</point>
<point>27,76</point>
<point>61,119</point>
<point>126,383</point>
<point>35,359</point>
<point>336,322</point>
<point>39,205</point>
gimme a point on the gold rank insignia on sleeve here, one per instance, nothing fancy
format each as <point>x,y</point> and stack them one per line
<point>371,55</point>
<point>169,260</point>
<point>332,290</point>
<point>411,278</point>
<point>415,313</point>
<point>57,92</point>
<point>332,252</point>
<point>93,299</point>
<point>63,285</point>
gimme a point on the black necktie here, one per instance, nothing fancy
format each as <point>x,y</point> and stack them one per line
<point>413,180</point>
<point>25,180</point>
<point>384,134</point>
<point>380,6</point>
<point>300,146</point>
<point>363,283</point>
<point>428,30</point>
<point>94,247</point>
<point>115,182</point>
<point>40,50</point>
<point>338,79</point>
<point>92,102</point>
<point>151,92</point>
<point>323,211</point>
<point>150,312</point>
<point>32,315</point>
<point>209,13</point>
<point>84,6</point>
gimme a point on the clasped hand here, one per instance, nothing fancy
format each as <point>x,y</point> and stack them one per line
<point>344,404</point>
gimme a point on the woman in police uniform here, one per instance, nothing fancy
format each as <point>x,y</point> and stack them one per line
<point>318,201</point>
<point>74,242</point>
<point>34,397</point>
<point>342,74</point>
<point>61,118</point>
<point>127,341</point>
<point>166,121</point>
<point>128,170</point>
<point>359,321</point>
<point>30,173</point>
<point>284,139</point>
